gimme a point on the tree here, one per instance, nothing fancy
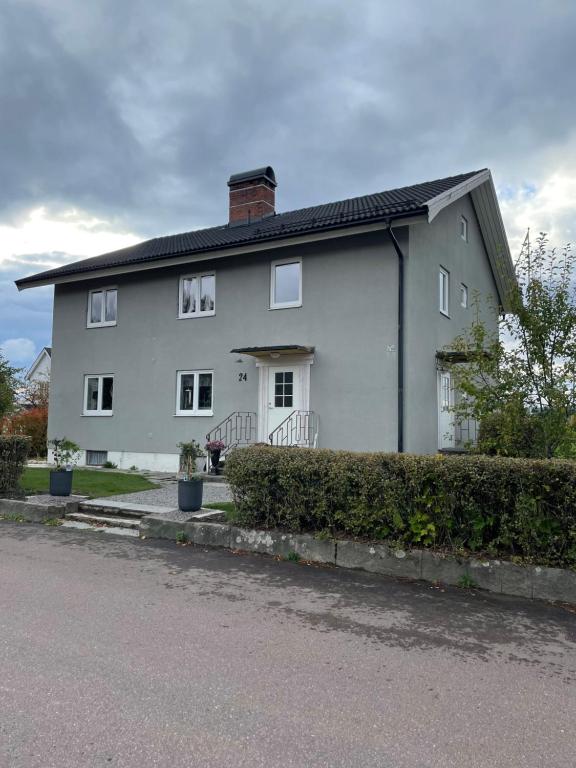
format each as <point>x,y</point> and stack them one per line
<point>34,394</point>
<point>8,385</point>
<point>519,383</point>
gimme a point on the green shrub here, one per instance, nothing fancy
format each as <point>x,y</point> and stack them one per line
<point>13,454</point>
<point>494,505</point>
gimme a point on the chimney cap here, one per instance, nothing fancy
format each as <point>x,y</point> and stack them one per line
<point>267,172</point>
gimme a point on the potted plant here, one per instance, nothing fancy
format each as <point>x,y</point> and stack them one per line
<point>66,455</point>
<point>215,448</point>
<point>190,485</point>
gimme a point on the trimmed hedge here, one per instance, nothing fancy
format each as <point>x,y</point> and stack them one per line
<point>13,454</point>
<point>503,507</point>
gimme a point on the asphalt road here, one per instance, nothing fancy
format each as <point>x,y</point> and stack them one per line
<point>118,652</point>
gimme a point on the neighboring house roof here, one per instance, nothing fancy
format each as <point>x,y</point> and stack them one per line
<point>427,199</point>
<point>45,352</point>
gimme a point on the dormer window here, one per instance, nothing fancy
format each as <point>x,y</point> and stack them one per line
<point>102,307</point>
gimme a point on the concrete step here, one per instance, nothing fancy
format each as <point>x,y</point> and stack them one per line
<point>113,529</point>
<point>94,519</point>
<point>207,515</point>
<point>121,508</point>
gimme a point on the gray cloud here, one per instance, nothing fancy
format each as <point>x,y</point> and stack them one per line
<point>140,110</point>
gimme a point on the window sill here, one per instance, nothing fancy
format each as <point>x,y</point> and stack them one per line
<point>294,305</point>
<point>98,413</point>
<point>195,315</point>
<point>102,325</point>
<point>194,413</point>
<point>444,314</point>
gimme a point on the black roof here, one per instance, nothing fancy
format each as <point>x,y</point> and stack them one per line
<point>394,203</point>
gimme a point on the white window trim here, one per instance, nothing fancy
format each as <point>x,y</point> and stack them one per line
<point>463,295</point>
<point>464,228</point>
<point>198,313</point>
<point>102,323</point>
<point>444,296</point>
<point>194,411</point>
<point>284,304</point>
<point>98,411</point>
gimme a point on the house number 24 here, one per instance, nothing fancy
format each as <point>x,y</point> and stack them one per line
<point>242,377</point>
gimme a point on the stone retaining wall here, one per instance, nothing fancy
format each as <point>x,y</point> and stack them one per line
<point>34,512</point>
<point>499,576</point>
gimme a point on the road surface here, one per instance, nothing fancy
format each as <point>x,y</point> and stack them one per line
<point>126,653</point>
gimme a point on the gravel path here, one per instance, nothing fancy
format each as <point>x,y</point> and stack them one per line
<point>167,495</point>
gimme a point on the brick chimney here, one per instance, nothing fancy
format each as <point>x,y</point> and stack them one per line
<point>252,195</point>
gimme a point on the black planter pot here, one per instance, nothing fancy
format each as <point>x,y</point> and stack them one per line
<point>60,482</point>
<point>215,461</point>
<point>190,494</point>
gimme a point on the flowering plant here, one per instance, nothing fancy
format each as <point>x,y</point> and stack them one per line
<point>215,445</point>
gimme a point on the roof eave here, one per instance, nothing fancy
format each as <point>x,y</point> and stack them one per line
<point>482,192</point>
<point>281,241</point>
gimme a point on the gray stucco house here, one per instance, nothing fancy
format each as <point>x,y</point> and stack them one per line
<point>318,327</point>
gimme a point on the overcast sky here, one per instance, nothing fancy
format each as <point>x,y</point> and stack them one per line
<point>122,120</point>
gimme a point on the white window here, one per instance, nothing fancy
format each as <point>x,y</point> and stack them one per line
<point>102,307</point>
<point>197,295</point>
<point>464,228</point>
<point>98,394</point>
<point>194,393</point>
<point>444,291</point>
<point>286,284</point>
<point>463,296</point>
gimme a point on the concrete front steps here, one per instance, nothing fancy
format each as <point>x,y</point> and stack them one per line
<point>111,517</point>
<point>123,518</point>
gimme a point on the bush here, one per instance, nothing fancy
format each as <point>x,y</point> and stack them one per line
<point>13,453</point>
<point>33,423</point>
<point>494,505</point>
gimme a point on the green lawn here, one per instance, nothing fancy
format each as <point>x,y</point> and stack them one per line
<point>225,506</point>
<point>88,482</point>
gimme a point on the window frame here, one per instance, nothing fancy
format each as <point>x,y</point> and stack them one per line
<point>98,411</point>
<point>464,228</point>
<point>284,304</point>
<point>102,323</point>
<point>198,277</point>
<point>444,291</point>
<point>463,295</point>
<point>195,411</point>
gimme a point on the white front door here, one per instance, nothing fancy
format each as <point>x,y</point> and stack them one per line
<point>445,415</point>
<point>284,394</point>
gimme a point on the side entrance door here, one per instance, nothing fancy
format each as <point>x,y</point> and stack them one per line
<point>445,415</point>
<point>284,395</point>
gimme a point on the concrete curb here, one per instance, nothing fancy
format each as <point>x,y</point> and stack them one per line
<point>33,512</point>
<point>499,576</point>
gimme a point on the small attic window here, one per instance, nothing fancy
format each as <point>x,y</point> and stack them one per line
<point>464,228</point>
